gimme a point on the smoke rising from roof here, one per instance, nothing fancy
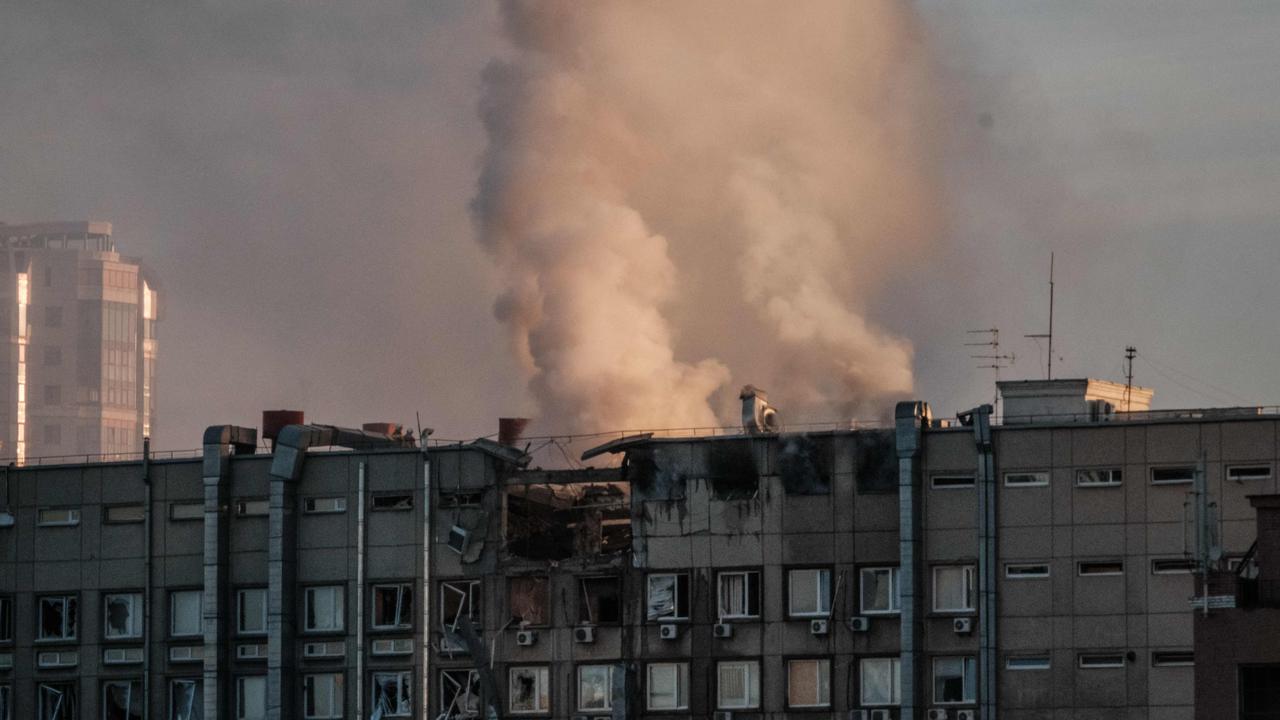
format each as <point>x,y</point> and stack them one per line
<point>681,194</point>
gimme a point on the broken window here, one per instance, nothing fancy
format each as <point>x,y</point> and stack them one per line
<point>459,599</point>
<point>57,618</point>
<point>392,502</point>
<point>651,480</point>
<point>459,694</point>
<point>122,700</point>
<point>599,601</point>
<point>529,690</point>
<point>739,594</point>
<point>668,686</point>
<point>809,591</point>
<point>528,598</point>
<point>876,461</point>
<point>668,597</point>
<point>123,616</point>
<point>805,465</point>
<point>732,468</point>
<point>392,694</point>
<point>595,688</point>
<point>450,499</point>
<point>809,683</point>
<point>560,521</point>
<point>185,700</point>
<point>322,696</point>
<point>392,606</point>
<point>57,701</point>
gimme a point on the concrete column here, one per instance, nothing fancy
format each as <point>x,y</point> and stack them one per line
<point>911,419</point>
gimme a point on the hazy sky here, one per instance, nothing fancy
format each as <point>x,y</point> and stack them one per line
<point>299,176</point>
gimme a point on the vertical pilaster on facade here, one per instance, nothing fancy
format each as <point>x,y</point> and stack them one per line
<point>281,561</point>
<point>911,417</point>
<point>987,561</point>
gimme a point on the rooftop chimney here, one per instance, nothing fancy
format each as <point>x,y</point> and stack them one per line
<point>511,429</point>
<point>758,416</point>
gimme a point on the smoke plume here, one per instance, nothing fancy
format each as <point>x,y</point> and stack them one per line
<point>676,190</point>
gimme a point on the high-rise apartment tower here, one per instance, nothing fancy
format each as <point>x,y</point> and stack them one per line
<point>78,322</point>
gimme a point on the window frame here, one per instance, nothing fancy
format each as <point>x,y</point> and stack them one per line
<point>580,581</point>
<point>106,683</point>
<point>681,578</point>
<point>108,520</point>
<point>199,595</point>
<point>1027,575</point>
<point>472,676</point>
<point>895,690</point>
<point>69,687</point>
<point>1010,663</point>
<point>6,619</point>
<point>823,598</point>
<point>67,598</point>
<point>337,694</point>
<point>404,681</point>
<point>341,610</point>
<point>547,619</point>
<point>968,679</point>
<point>1228,474</point>
<point>1112,472</point>
<point>72,519</point>
<point>754,683</point>
<point>240,616</point>
<point>1101,660</point>
<point>1042,478</point>
<point>1173,658</point>
<point>310,507</point>
<point>473,600</point>
<point>137,612</point>
<point>240,696</point>
<point>1180,566</point>
<point>951,481</point>
<point>197,697</point>
<point>823,672</point>
<point>378,502</point>
<point>895,599</point>
<point>746,574</point>
<point>173,507</point>
<point>542,690</point>
<point>1152,470</point>
<point>608,701</point>
<point>401,587</point>
<point>970,580</point>
<point>247,507</point>
<point>681,690</point>
<point>1081,572</point>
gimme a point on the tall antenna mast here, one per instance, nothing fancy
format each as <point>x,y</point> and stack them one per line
<point>996,361</point>
<point>1049,335</point>
<point>1129,353</point>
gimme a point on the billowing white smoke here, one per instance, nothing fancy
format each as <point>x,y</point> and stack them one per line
<point>746,172</point>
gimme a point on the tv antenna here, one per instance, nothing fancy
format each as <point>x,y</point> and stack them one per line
<point>1129,353</point>
<point>995,360</point>
<point>1048,335</point>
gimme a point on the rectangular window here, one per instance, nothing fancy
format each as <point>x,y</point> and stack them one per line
<point>595,688</point>
<point>668,597</point>
<point>1026,479</point>
<point>186,511</point>
<point>809,592</point>
<point>945,482</point>
<point>322,696</point>
<point>252,507</point>
<point>113,514</point>
<point>953,588</point>
<point>1172,566</point>
<point>1240,473</point>
<point>6,703</point>
<point>186,702</point>
<point>1101,660</point>
<point>879,594</point>
<point>1101,567</point>
<point>57,618</point>
<point>58,517</point>
<point>809,683</point>
<point>954,680</point>
<point>6,620</point>
<point>739,594</point>
<point>251,697</point>
<point>1027,662</point>
<point>1172,658</point>
<point>392,606</point>
<point>459,599</point>
<point>122,699</point>
<point>322,505</point>
<point>459,695</point>
<point>599,601</point>
<point>185,610</point>
<point>122,616</point>
<point>880,681</point>
<point>323,609</point>
<point>529,690</point>
<point>1026,571</point>
<point>738,685</point>
<point>1099,478</point>
<point>528,598</point>
<point>1173,475</point>
<point>451,499</point>
<point>251,605</point>
<point>58,701</point>
<point>668,686</point>
<point>392,502</point>
<point>393,694</point>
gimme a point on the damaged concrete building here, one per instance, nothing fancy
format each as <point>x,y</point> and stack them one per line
<point>1036,567</point>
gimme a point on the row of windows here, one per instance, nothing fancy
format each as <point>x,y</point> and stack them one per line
<point>1104,477</point>
<point>244,507</point>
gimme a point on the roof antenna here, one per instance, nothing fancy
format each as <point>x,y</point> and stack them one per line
<point>1129,353</point>
<point>1049,335</point>
<point>997,360</point>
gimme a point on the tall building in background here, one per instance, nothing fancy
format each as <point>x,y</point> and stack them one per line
<point>78,365</point>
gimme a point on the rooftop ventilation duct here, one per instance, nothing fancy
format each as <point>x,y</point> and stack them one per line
<point>758,416</point>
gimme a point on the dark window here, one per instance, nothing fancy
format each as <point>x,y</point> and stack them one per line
<point>393,606</point>
<point>57,618</point>
<point>599,601</point>
<point>876,461</point>
<point>122,700</point>
<point>460,498</point>
<point>732,466</point>
<point>805,465</point>
<point>392,502</point>
<point>952,481</point>
<point>123,514</point>
<point>529,599</point>
<point>1171,475</point>
<point>1259,692</point>
<point>6,618</point>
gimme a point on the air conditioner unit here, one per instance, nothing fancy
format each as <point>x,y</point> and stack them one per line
<point>121,656</point>
<point>459,539</point>
<point>966,714</point>
<point>65,658</point>
<point>186,653</point>
<point>938,714</point>
<point>668,631</point>
<point>859,624</point>
<point>526,638</point>
<point>323,650</point>
<point>251,652</point>
<point>395,646</point>
<point>819,627</point>
<point>962,625</point>
<point>722,630</point>
<point>722,715</point>
<point>880,714</point>
<point>584,634</point>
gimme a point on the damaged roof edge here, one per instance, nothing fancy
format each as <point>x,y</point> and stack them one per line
<point>616,446</point>
<point>502,452</point>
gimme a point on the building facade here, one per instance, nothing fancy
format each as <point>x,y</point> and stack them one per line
<point>930,569</point>
<point>80,323</point>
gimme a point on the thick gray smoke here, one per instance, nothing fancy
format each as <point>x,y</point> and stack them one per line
<point>684,195</point>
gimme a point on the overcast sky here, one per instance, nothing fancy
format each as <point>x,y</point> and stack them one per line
<point>299,176</point>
